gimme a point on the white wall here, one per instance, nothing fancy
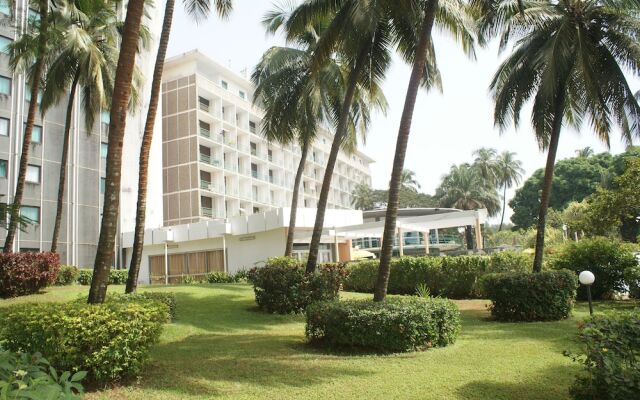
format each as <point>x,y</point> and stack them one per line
<point>243,252</point>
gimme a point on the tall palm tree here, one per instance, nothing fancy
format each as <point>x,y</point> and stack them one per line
<point>409,181</point>
<point>28,54</point>
<point>197,9</point>
<point>359,34</point>
<point>84,55</point>
<point>509,173</point>
<point>465,188</point>
<point>486,162</point>
<point>118,114</point>
<point>413,27</point>
<point>585,152</point>
<point>569,57</point>
<point>363,197</point>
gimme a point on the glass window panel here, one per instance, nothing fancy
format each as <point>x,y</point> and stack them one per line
<point>105,117</point>
<point>31,213</point>
<point>33,174</point>
<point>3,168</point>
<point>5,8</point>
<point>36,133</point>
<point>4,42</point>
<point>5,85</point>
<point>104,149</point>
<point>4,127</point>
<point>27,94</point>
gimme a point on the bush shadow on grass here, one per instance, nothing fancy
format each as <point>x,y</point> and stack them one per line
<point>210,364</point>
<point>550,383</point>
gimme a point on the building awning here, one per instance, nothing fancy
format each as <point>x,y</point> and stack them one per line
<point>423,223</point>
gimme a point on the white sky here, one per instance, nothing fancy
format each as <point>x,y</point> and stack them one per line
<point>446,127</point>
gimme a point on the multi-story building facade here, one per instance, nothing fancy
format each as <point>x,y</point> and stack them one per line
<point>86,164</point>
<point>215,162</point>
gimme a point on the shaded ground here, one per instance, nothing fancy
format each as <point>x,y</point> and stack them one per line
<point>221,347</point>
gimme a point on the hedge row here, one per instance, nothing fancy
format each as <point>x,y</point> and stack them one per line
<point>543,296</point>
<point>611,358</point>
<point>282,285</point>
<point>27,273</point>
<point>394,325</point>
<point>116,276</point>
<point>452,277</point>
<point>111,340</point>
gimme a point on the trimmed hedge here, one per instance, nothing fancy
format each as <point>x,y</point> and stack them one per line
<point>282,285</point>
<point>29,376</point>
<point>221,277</point>
<point>111,340</point>
<point>607,258</point>
<point>611,358</point>
<point>116,276</point>
<point>543,296</point>
<point>27,273</point>
<point>394,325</point>
<point>632,279</point>
<point>68,275</point>
<point>166,298</point>
<point>453,277</point>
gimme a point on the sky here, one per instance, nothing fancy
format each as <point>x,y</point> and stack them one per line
<point>447,126</point>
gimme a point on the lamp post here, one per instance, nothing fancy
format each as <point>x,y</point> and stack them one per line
<point>587,278</point>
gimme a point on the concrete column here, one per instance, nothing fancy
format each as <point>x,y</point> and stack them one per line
<point>401,241</point>
<point>426,242</point>
<point>479,241</point>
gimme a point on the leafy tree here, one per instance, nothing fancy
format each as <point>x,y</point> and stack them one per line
<point>363,197</point>
<point>567,58</point>
<point>197,9</point>
<point>619,207</point>
<point>408,180</point>
<point>28,54</point>
<point>486,162</point>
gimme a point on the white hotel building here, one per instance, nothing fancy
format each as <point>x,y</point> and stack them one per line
<point>216,165</point>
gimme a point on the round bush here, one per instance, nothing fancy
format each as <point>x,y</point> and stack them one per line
<point>394,325</point>
<point>543,296</point>
<point>27,273</point>
<point>606,258</point>
<point>166,298</point>
<point>111,341</point>
<point>510,261</point>
<point>68,275</point>
<point>282,285</point>
<point>116,276</point>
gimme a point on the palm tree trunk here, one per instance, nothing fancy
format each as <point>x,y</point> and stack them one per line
<point>548,178</point>
<point>341,129</point>
<point>118,115</point>
<point>468,237</point>
<point>147,138</point>
<point>63,163</point>
<point>504,206</point>
<point>288,251</point>
<point>395,184</point>
<point>31,118</point>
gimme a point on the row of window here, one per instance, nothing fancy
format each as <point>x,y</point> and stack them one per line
<point>241,93</point>
<point>36,132</point>
<point>34,173</point>
<point>5,89</point>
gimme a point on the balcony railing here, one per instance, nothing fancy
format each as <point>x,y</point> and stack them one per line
<point>205,132</point>
<point>204,106</point>
<point>207,159</point>
<point>206,185</point>
<point>231,167</point>
<point>207,212</point>
<point>254,174</point>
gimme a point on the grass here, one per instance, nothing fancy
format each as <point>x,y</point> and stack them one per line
<point>222,347</point>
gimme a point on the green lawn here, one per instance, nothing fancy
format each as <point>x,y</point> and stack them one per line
<point>221,347</point>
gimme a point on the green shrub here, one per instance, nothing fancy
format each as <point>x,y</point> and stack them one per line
<point>27,273</point>
<point>510,261</point>
<point>394,325</point>
<point>116,276</point>
<point>68,275</point>
<point>220,277</point>
<point>632,279</point>
<point>407,272</point>
<point>460,275</point>
<point>166,298</point>
<point>26,376</point>
<point>606,258</point>
<point>611,358</point>
<point>362,276</point>
<point>543,296</point>
<point>111,340</point>
<point>282,285</point>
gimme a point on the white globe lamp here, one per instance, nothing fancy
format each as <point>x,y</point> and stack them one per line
<point>587,278</point>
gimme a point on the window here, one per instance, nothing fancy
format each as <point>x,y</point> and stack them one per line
<point>103,185</point>
<point>3,168</point>
<point>224,85</point>
<point>5,85</point>
<point>36,133</point>
<point>34,16</point>
<point>242,95</point>
<point>104,149</point>
<point>254,148</point>
<point>252,127</point>
<point>31,213</point>
<point>29,250</point>
<point>105,117</point>
<point>4,127</point>
<point>5,8</point>
<point>33,174</point>
<point>27,94</point>
<point>4,42</point>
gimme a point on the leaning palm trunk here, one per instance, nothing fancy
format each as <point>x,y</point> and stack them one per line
<point>31,117</point>
<point>468,237</point>
<point>118,115</point>
<point>333,156</point>
<point>504,206</point>
<point>138,241</point>
<point>395,184</point>
<point>548,178</point>
<point>63,163</point>
<point>288,251</point>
